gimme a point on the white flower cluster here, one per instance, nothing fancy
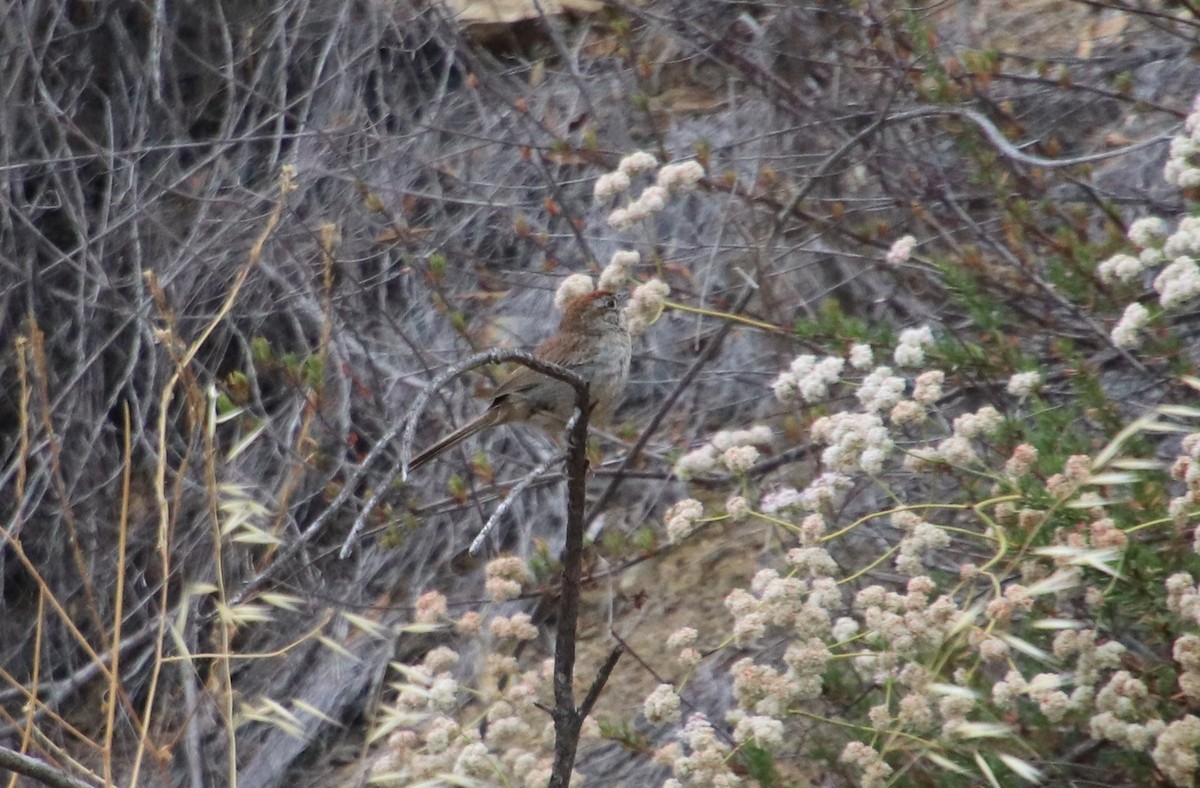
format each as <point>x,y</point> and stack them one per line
<point>571,288</point>
<point>427,744</point>
<point>861,356</point>
<point>645,305</point>
<point>901,251</point>
<point>682,518</point>
<point>733,449</point>
<point>680,176</point>
<point>683,640</point>
<point>866,759</point>
<point>854,441</point>
<point>1022,384</point>
<point>1126,333</point>
<point>1186,469</point>
<point>1183,163</point>
<point>617,272</point>
<point>1043,689</point>
<point>880,390</point>
<point>1176,748</point>
<point>662,705</point>
<point>984,421</point>
<point>505,576</point>
<point>671,179</point>
<point>1178,283</point>
<point>905,623</point>
<point>808,378</point>
<point>910,351</point>
<point>824,490</point>
<point>708,763</point>
<point>920,538</point>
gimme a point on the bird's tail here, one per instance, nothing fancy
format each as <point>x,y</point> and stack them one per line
<point>486,419</point>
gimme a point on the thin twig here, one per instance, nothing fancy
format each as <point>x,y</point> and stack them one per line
<point>567,719</point>
<point>507,502</point>
<point>37,770</point>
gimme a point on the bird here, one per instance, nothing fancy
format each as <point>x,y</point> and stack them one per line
<point>592,341</point>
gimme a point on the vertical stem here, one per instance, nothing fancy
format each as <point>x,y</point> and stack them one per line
<point>567,719</point>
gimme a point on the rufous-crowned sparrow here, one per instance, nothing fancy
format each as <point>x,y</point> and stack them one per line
<point>592,341</point>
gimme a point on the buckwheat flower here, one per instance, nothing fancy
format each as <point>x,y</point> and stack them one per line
<point>749,629</point>
<point>637,162</point>
<point>1006,692</point>
<point>844,628</point>
<point>776,501</point>
<point>803,365</point>
<point>908,412</point>
<point>646,305</point>
<point>861,356</point>
<point>652,200</point>
<point>681,519</point>
<point>680,176</point>
<point>812,528</point>
<point>880,716</point>
<point>1186,652</point>
<point>900,251</point>
<point>871,461</point>
<point>470,623</point>
<point>1120,268</point>
<point>762,578</point>
<point>785,387</point>
<point>610,184</point>
<point>440,733</point>
<point>956,706</point>
<point>993,649</point>
<point>927,388</point>
<point>620,218</point>
<point>1125,334</point>
<point>982,422</point>
<point>880,390</point>
<point>662,705</point>
<point>518,627</point>
<point>740,459</point>
<point>737,508</point>
<point>616,273</point>
<point>1151,257</point>
<point>765,732</point>
<point>430,608</point>
<point>863,757</point>
<point>1147,231</point>
<point>814,561</point>
<point>1175,750</point>
<point>1178,283</point>
<point>1022,459</point>
<point>504,578</point>
<point>1185,240</point>
<point>957,450</point>
<point>814,383</point>
<point>440,659</point>
<point>824,490</point>
<point>1022,384</point>
<point>909,355</point>
<point>915,712</point>
<point>443,693</point>
<point>910,352</point>
<point>1054,705</point>
<point>699,461</point>
<point>571,288</point>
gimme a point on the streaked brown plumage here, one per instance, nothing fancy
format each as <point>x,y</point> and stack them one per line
<point>592,342</point>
